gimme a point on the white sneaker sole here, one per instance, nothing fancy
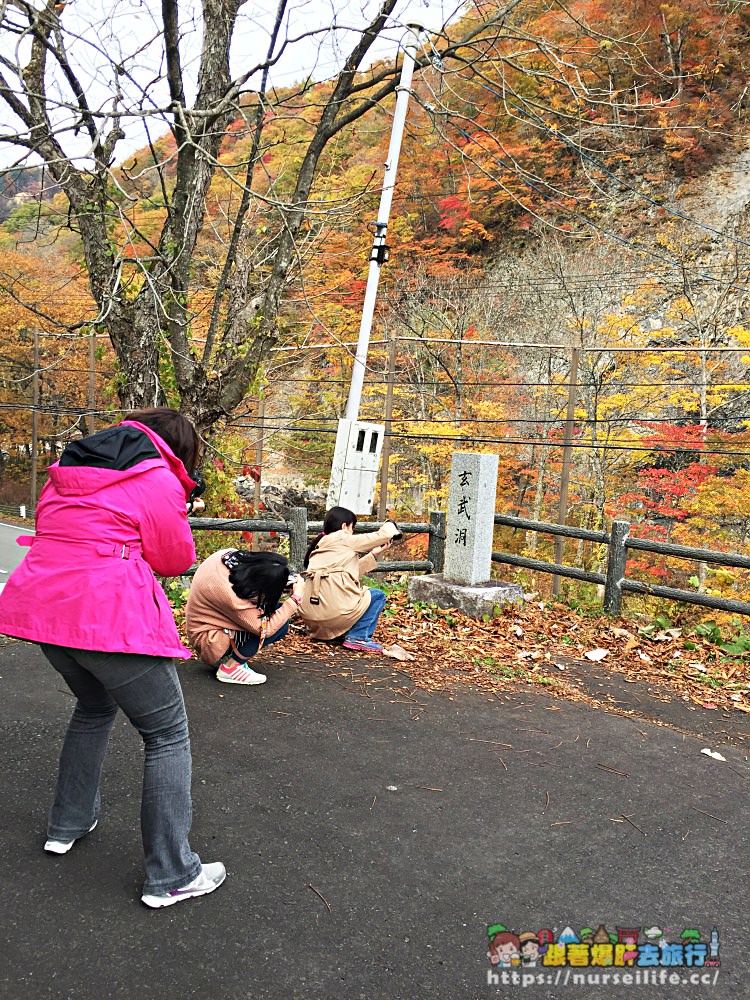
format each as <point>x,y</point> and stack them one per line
<point>62,847</point>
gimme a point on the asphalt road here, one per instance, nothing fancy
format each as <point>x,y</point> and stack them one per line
<point>370,838</point>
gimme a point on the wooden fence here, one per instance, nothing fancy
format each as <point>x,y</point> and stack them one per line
<point>300,529</point>
<point>614,580</point>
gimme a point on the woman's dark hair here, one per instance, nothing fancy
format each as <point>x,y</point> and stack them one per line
<point>175,429</point>
<point>334,520</point>
<point>258,576</point>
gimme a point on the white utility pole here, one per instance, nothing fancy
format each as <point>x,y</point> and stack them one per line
<point>358,445</point>
<point>379,253</point>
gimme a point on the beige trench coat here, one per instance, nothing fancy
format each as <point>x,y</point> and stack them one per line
<point>334,599</point>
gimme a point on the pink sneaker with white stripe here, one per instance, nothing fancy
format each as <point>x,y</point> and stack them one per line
<point>235,673</point>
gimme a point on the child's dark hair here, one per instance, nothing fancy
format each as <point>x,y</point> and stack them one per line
<point>335,519</point>
<point>257,576</point>
<point>175,429</point>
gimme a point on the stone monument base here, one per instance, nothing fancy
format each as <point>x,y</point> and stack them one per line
<point>474,600</point>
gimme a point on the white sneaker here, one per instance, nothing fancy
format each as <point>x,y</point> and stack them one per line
<point>235,673</point>
<point>63,846</point>
<point>209,878</point>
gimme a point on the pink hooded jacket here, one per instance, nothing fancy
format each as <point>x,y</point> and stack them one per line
<point>110,516</point>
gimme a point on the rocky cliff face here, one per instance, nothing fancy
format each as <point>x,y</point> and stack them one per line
<point>278,497</point>
<point>723,194</point>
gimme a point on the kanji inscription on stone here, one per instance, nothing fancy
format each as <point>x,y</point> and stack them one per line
<point>471,513</point>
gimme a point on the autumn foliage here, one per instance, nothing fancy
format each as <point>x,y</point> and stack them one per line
<point>543,204</point>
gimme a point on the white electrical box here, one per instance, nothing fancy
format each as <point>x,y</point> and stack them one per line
<point>356,460</point>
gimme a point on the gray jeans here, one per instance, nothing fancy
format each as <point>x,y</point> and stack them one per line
<point>148,691</point>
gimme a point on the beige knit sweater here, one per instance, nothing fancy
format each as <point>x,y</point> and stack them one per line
<point>214,610</point>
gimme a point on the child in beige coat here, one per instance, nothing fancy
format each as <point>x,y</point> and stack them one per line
<point>334,602</point>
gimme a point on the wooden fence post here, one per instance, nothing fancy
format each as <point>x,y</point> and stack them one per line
<point>436,543</point>
<point>297,537</point>
<point>616,566</point>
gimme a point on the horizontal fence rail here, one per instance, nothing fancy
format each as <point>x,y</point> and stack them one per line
<point>615,582</point>
<point>544,527</point>
<point>313,527</point>
<point>21,510</point>
<point>685,552</point>
<point>300,529</point>
<point>237,524</point>
<point>688,596</point>
<point>544,567</point>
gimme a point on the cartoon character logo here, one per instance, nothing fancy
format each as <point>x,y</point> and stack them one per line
<point>505,947</point>
<point>529,946</point>
<point>601,947</point>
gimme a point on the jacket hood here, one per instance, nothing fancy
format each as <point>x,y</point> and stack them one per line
<point>111,456</point>
<point>119,448</point>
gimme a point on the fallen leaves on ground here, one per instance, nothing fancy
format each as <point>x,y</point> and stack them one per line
<point>537,645</point>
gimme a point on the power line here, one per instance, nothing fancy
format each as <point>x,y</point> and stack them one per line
<point>584,349</point>
<point>714,386</point>
<point>62,410</point>
<point>277,423</point>
<point>467,419</point>
<point>404,383</point>
<point>466,342</point>
<point>462,437</point>
<point>603,348</point>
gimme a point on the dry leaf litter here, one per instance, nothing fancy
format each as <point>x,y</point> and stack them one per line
<point>541,645</point>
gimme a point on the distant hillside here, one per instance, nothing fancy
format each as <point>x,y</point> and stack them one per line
<point>18,186</point>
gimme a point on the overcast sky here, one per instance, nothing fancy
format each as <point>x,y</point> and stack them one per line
<point>100,33</point>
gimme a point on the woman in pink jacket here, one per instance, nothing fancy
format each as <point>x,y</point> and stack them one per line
<point>112,514</point>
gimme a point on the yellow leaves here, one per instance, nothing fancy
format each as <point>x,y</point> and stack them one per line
<point>618,402</point>
<point>685,398</point>
<point>707,71</point>
<point>721,499</point>
<point>679,308</point>
<point>740,334</point>
<point>614,328</point>
<point>472,228</point>
<point>657,360</point>
<point>674,17</point>
<point>724,578</point>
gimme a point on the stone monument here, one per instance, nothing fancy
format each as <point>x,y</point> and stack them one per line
<point>465,582</point>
